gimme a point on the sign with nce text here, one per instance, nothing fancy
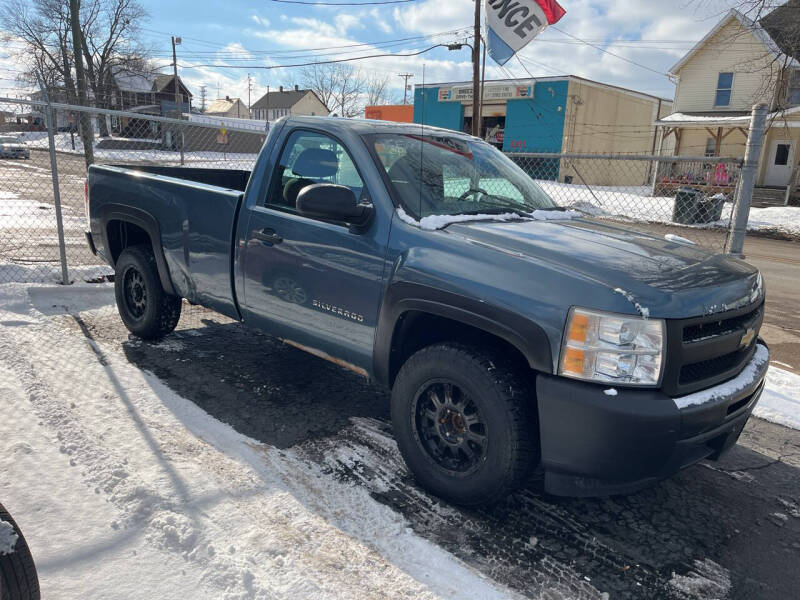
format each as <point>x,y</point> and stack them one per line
<point>513,23</point>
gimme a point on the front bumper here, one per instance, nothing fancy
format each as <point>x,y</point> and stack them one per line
<point>594,444</point>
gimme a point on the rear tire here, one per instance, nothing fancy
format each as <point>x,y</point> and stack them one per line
<point>146,309</point>
<point>465,423</point>
<point>18,580</point>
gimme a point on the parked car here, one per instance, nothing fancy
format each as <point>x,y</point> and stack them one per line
<point>18,579</point>
<point>13,147</point>
<point>511,333</point>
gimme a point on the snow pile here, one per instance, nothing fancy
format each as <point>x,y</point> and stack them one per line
<point>751,373</point>
<point>671,237</point>
<point>780,401</point>
<point>635,203</point>
<point>172,503</point>
<point>706,581</point>
<point>434,222</point>
<point>8,538</point>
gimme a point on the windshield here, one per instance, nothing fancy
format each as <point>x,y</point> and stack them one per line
<point>435,174</point>
<point>10,140</point>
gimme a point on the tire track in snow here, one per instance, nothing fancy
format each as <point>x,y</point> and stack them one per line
<point>533,545</point>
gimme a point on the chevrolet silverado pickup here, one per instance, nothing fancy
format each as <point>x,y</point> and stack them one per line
<point>513,334</point>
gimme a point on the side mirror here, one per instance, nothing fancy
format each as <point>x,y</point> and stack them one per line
<point>332,202</point>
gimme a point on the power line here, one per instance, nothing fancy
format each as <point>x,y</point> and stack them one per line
<point>627,60</point>
<point>321,62</point>
<point>342,3</point>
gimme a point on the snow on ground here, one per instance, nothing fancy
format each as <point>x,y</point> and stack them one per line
<point>634,203</point>
<point>209,159</point>
<point>780,402</point>
<point>124,489</point>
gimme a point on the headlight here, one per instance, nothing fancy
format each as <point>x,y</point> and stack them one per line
<point>612,348</point>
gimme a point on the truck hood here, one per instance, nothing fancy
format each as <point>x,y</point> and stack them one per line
<point>663,273</point>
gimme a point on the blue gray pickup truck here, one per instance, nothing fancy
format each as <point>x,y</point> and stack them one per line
<point>514,335</point>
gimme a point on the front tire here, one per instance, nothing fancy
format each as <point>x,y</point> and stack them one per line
<point>18,580</point>
<point>464,420</point>
<point>146,309</point>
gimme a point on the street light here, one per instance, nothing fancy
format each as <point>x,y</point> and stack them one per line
<point>477,99</point>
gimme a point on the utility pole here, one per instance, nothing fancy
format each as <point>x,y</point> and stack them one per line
<point>476,73</point>
<point>178,99</point>
<point>406,77</point>
<point>249,88</point>
<point>203,94</point>
<point>87,134</point>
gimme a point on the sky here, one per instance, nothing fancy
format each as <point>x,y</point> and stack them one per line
<point>630,43</point>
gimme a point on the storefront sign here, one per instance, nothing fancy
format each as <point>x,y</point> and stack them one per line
<point>490,93</point>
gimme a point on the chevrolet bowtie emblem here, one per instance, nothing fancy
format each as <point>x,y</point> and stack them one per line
<point>747,337</point>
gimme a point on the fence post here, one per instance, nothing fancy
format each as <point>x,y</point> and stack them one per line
<point>747,180</point>
<point>62,250</point>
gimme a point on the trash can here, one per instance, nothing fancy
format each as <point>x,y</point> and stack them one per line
<point>687,206</point>
<point>710,209</point>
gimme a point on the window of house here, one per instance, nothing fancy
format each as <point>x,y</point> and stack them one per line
<point>724,86</point>
<point>711,146</point>
<point>794,87</point>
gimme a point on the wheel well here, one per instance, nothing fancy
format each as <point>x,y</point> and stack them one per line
<point>122,234</point>
<point>415,330</point>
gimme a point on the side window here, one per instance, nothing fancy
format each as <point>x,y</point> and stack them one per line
<point>308,158</point>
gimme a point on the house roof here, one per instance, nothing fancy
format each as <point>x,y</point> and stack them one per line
<point>222,105</point>
<point>759,31</point>
<point>728,118</point>
<point>783,26</point>
<point>128,81</point>
<point>134,81</point>
<point>533,80</point>
<point>162,81</point>
<point>284,99</point>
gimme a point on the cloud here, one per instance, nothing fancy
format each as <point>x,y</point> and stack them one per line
<point>433,16</point>
<point>616,27</point>
<point>259,20</point>
<point>381,19</point>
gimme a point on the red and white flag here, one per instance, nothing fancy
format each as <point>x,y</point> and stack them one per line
<point>511,24</point>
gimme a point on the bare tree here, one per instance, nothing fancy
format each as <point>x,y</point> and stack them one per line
<point>43,31</point>
<point>110,39</point>
<point>341,87</point>
<point>377,89</point>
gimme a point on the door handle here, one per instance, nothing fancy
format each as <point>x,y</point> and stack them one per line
<point>268,236</point>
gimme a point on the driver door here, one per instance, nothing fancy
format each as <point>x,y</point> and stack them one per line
<point>313,283</point>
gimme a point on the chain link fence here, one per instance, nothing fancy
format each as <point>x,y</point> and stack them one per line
<point>691,197</point>
<point>43,175</point>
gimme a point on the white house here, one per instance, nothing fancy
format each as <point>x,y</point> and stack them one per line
<point>739,63</point>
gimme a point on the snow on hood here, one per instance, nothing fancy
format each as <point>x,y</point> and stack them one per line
<point>8,538</point>
<point>434,222</point>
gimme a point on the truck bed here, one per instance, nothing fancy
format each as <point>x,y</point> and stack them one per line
<point>193,212</point>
